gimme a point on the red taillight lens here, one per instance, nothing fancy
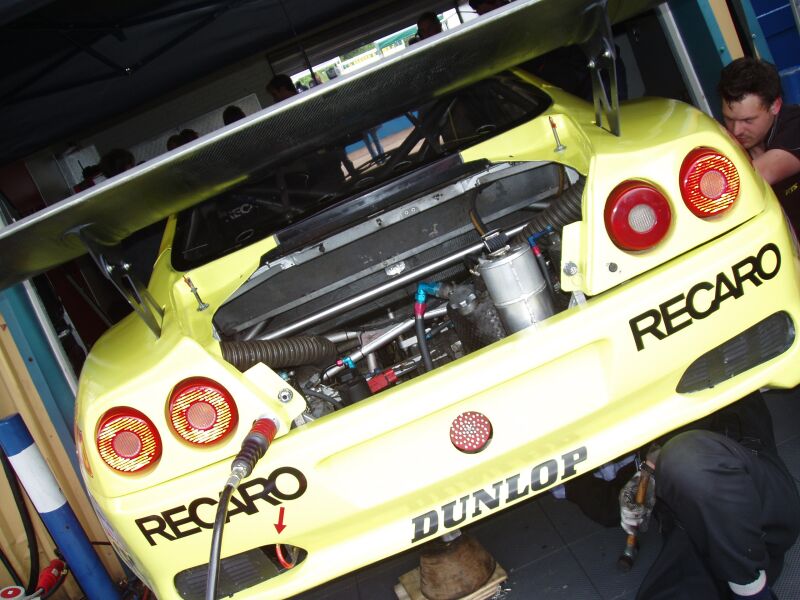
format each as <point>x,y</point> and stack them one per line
<point>709,182</point>
<point>637,215</point>
<point>127,440</point>
<point>202,411</point>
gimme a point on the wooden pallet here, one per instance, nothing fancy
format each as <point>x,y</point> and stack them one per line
<point>408,586</point>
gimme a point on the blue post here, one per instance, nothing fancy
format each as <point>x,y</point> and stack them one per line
<point>56,514</point>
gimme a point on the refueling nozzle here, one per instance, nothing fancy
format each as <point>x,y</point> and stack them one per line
<point>254,446</point>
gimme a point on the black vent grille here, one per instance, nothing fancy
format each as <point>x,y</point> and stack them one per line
<point>756,345</point>
<point>236,573</point>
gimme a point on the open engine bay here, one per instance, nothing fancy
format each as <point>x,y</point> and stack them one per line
<point>416,286</point>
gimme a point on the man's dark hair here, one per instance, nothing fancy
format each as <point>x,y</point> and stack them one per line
<point>174,141</point>
<point>231,114</point>
<point>116,161</point>
<point>188,135</point>
<point>749,75</point>
<point>281,81</point>
<point>490,5</point>
<point>91,171</point>
<point>430,17</point>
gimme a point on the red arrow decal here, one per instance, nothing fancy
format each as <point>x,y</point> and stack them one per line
<point>279,526</point>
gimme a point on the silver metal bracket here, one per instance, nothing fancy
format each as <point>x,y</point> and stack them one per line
<point>600,51</point>
<point>118,270</point>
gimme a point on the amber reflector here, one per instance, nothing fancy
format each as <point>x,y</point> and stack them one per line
<point>127,440</point>
<point>202,411</point>
<point>709,182</point>
<point>470,432</point>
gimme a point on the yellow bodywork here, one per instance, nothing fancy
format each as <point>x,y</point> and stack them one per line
<point>564,396</point>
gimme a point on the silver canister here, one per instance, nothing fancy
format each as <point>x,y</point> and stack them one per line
<point>517,286</point>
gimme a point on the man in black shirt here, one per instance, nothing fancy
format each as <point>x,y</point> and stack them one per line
<point>754,113</point>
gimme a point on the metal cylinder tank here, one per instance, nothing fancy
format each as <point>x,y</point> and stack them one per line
<point>517,286</point>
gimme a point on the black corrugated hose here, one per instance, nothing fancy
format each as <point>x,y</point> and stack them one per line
<point>561,211</point>
<point>27,524</point>
<point>285,352</point>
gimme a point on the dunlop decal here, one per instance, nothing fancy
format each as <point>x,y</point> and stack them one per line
<point>498,494</point>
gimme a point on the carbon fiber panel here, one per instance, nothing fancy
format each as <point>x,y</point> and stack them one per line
<point>216,162</point>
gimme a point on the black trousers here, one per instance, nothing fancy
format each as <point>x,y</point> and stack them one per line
<point>733,512</point>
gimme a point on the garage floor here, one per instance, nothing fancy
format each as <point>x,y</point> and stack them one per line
<point>552,551</point>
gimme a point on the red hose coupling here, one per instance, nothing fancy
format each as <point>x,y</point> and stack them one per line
<point>265,427</point>
<point>419,309</point>
<point>49,576</point>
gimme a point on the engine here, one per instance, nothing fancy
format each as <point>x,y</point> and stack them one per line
<point>407,288</point>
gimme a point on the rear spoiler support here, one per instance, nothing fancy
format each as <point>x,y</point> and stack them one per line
<point>116,269</point>
<point>601,52</point>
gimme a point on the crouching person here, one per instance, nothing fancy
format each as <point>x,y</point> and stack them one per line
<point>727,505</point>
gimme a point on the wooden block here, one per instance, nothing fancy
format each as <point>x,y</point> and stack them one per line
<point>408,587</point>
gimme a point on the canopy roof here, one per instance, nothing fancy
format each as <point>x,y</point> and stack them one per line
<point>71,64</point>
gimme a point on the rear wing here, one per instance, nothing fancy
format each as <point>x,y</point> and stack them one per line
<point>102,216</point>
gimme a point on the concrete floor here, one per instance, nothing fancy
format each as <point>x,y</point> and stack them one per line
<point>552,551</point>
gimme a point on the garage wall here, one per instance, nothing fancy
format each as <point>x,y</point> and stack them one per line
<point>18,395</point>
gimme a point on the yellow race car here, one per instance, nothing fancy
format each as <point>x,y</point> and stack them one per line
<point>514,288</point>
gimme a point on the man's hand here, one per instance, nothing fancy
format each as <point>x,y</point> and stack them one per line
<point>634,517</point>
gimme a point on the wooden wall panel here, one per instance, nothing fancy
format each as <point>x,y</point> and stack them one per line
<point>19,395</point>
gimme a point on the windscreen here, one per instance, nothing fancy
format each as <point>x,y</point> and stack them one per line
<point>351,165</point>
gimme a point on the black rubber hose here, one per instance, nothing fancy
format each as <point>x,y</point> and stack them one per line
<point>546,273</point>
<point>10,568</point>
<point>419,324</point>
<point>212,582</point>
<point>561,211</point>
<point>285,352</point>
<point>27,524</point>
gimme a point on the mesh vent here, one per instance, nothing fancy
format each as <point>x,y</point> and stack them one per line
<point>236,573</point>
<point>756,345</point>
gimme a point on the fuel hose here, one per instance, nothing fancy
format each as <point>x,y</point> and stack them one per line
<point>254,446</point>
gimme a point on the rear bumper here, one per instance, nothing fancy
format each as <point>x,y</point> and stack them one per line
<point>563,397</point>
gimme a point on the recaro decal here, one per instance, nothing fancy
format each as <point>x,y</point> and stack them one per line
<point>185,520</point>
<point>704,298</point>
<point>502,492</point>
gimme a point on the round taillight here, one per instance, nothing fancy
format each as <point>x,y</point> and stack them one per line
<point>709,182</point>
<point>470,432</point>
<point>637,215</point>
<point>202,411</point>
<point>127,440</point>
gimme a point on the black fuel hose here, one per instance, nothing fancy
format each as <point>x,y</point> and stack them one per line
<point>545,271</point>
<point>27,524</point>
<point>254,446</point>
<point>216,542</point>
<point>419,325</point>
